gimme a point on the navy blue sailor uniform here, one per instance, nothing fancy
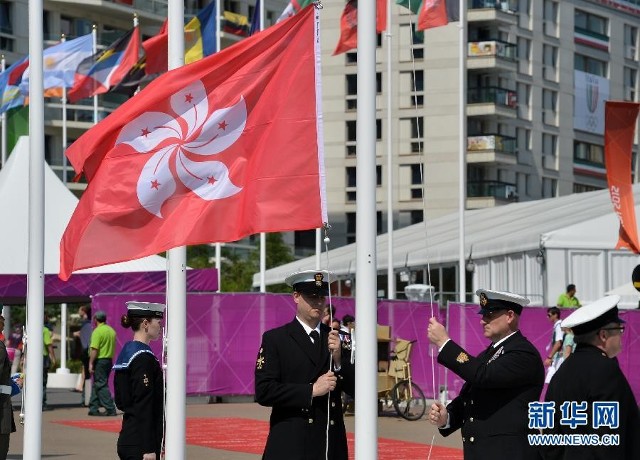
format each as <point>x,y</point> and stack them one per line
<point>139,393</point>
<point>492,408</point>
<point>286,368</point>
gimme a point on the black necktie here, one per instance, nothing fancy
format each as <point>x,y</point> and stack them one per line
<point>316,341</point>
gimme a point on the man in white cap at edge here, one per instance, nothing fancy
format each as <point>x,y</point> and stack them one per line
<point>491,409</point>
<point>592,375</point>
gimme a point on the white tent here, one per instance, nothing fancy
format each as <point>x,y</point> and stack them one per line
<point>59,206</point>
<point>535,248</point>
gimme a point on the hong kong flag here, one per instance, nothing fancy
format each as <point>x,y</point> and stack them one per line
<point>226,147</point>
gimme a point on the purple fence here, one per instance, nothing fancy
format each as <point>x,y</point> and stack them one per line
<point>224,333</point>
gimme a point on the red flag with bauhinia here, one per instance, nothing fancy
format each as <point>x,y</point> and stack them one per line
<point>619,126</point>
<point>349,25</point>
<point>226,147</point>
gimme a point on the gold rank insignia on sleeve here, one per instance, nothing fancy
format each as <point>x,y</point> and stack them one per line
<point>260,360</point>
<point>462,357</point>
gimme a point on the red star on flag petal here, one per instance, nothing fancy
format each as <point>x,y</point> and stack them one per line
<point>188,97</point>
<point>146,132</point>
<point>155,184</point>
<point>222,125</point>
<point>211,180</point>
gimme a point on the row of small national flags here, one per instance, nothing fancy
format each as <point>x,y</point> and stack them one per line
<point>118,68</point>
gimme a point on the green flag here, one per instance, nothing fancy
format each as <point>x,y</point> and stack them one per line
<point>17,125</point>
<point>413,5</point>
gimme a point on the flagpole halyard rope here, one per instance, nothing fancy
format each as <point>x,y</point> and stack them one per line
<point>326,241</point>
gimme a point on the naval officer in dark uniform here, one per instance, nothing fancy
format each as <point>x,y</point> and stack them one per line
<point>592,374</point>
<point>293,377</point>
<point>492,407</point>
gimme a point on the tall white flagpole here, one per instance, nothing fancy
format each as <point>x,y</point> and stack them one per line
<point>176,291</point>
<point>366,446</point>
<point>3,120</point>
<point>263,236</point>
<point>94,36</point>
<point>64,126</point>
<point>462,149</point>
<point>32,443</point>
<point>391,277</point>
<point>218,15</point>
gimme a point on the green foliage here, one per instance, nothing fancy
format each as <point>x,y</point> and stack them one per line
<point>239,266</point>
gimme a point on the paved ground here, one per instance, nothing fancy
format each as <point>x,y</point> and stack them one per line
<point>72,443</point>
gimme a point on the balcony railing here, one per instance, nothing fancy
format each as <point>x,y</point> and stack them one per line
<point>495,48</point>
<point>492,142</point>
<point>591,33</point>
<point>492,95</point>
<point>503,5</point>
<point>593,164</point>
<point>499,190</point>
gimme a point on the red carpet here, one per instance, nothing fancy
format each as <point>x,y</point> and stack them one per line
<point>249,436</point>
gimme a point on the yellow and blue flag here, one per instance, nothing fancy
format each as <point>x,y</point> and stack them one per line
<point>200,35</point>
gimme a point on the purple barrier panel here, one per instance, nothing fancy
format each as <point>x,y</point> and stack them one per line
<point>409,321</point>
<point>465,329</point>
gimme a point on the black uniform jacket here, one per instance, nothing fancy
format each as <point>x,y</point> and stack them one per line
<point>590,375</point>
<point>492,408</point>
<point>7,425</point>
<point>139,393</point>
<point>286,368</point>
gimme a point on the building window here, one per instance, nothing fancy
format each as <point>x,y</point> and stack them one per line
<point>411,43</point>
<point>581,188</point>
<point>6,18</point>
<point>590,65</point>
<point>351,227</point>
<point>351,89</point>
<point>406,218</point>
<point>549,144</point>
<point>590,24</point>
<point>549,107</point>
<point>586,153</point>
<point>351,130</point>
<point>630,84</point>
<point>549,187</point>
<point>524,139</point>
<point>550,62</point>
<point>631,42</point>
<point>550,18</point>
<point>524,55</point>
<point>410,182</point>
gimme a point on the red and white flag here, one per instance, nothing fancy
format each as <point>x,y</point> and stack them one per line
<point>619,126</point>
<point>226,147</point>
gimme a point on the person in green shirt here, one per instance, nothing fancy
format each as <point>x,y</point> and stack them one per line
<point>101,351</point>
<point>568,299</point>
<point>48,360</point>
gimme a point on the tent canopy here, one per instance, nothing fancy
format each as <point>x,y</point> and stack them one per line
<point>580,221</point>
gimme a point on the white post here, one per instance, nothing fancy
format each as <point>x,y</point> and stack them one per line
<point>219,265</point>
<point>318,247</point>
<point>391,277</point>
<point>64,127</point>
<point>366,446</point>
<point>176,291</point>
<point>63,340</point>
<point>94,35</point>
<point>3,121</point>
<point>263,261</point>
<point>462,147</point>
<point>32,442</point>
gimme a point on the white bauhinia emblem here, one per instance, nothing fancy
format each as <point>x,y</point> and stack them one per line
<point>174,140</point>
